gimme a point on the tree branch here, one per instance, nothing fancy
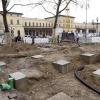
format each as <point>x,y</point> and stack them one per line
<point>21,5</point>
<point>55,2</point>
<point>47,10</point>
<point>67,5</point>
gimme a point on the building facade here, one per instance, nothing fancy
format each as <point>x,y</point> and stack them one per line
<point>64,22</point>
<point>26,26</point>
<point>37,27</point>
<point>90,27</point>
<point>43,27</point>
<point>15,21</point>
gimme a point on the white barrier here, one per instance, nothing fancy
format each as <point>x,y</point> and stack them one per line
<point>41,40</point>
<point>27,40</point>
<point>36,40</point>
<point>95,39</point>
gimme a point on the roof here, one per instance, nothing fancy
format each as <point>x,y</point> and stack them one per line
<point>60,16</point>
<point>1,12</point>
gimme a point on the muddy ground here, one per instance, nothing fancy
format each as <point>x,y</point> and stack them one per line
<point>51,82</point>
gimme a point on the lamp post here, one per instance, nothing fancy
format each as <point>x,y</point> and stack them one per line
<point>97,19</point>
<point>93,25</point>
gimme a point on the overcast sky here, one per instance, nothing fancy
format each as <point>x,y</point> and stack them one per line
<point>79,13</point>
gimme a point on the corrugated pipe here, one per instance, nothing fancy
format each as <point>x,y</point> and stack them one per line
<point>92,87</point>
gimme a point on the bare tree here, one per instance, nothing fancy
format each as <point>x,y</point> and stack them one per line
<point>59,6</point>
<point>5,4</point>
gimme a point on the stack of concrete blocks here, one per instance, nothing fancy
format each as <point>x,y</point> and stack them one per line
<point>20,81</point>
<point>60,96</point>
<point>62,66</point>
<point>88,58</point>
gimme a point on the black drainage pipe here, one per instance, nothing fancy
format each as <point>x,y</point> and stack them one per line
<point>92,87</point>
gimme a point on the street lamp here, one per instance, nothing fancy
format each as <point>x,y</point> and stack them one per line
<point>93,25</point>
<point>97,23</point>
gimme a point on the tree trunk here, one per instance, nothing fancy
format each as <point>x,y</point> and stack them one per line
<point>7,33</point>
<point>56,19</point>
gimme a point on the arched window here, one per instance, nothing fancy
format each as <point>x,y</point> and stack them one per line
<point>40,24</point>
<point>37,24</point>
<point>25,23</point>
<point>49,24</point>
<point>33,23</point>
<point>43,24</point>
<point>29,24</point>
<point>11,21</point>
<point>18,32</point>
<point>17,22</point>
<point>46,24</point>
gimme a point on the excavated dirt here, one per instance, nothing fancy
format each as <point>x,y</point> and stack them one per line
<point>52,81</point>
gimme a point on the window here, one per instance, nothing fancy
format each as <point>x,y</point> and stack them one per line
<point>37,24</point>
<point>11,21</point>
<point>29,24</point>
<point>25,23</point>
<point>43,24</point>
<point>17,22</point>
<point>46,24</point>
<point>18,32</point>
<point>33,23</point>
<point>26,32</point>
<point>30,32</point>
<point>49,24</point>
<point>40,24</point>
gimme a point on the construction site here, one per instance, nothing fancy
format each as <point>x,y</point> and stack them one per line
<point>63,71</point>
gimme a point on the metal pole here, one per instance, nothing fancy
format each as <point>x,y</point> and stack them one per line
<point>97,24</point>
<point>93,25</point>
<point>86,19</point>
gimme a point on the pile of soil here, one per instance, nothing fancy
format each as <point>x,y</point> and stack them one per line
<point>53,81</point>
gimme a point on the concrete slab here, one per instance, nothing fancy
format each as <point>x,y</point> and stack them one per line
<point>61,62</point>
<point>60,96</point>
<point>3,97</point>
<point>12,96</point>
<point>37,56</point>
<point>20,81</point>
<point>97,72</point>
<point>87,54</point>
<point>88,58</point>
<point>17,75</point>
<point>62,66</point>
<point>2,63</point>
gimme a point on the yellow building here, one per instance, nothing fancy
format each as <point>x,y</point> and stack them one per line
<point>25,26</point>
<point>37,27</point>
<point>64,22</point>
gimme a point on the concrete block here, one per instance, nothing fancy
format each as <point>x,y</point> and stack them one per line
<point>37,56</point>
<point>20,81</point>
<point>62,66</point>
<point>60,96</point>
<point>12,96</point>
<point>97,72</point>
<point>88,58</point>
<point>1,65</point>
<point>3,97</point>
